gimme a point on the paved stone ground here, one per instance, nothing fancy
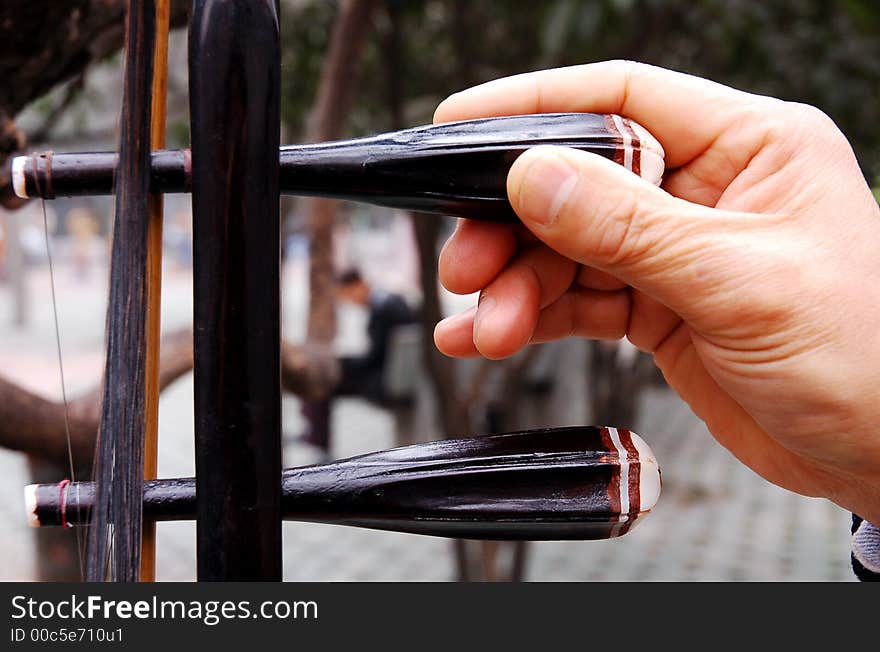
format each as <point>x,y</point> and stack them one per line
<point>716,520</point>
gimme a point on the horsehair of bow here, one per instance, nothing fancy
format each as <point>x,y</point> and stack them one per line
<point>117,517</point>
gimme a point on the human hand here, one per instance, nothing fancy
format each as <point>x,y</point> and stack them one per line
<point>751,275</point>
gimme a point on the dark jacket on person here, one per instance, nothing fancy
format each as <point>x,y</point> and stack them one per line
<point>363,375</point>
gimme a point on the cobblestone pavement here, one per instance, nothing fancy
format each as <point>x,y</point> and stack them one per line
<point>716,520</point>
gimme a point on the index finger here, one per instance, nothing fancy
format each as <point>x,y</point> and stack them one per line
<point>686,114</point>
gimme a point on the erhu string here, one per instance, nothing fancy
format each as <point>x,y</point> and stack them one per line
<point>79,542</point>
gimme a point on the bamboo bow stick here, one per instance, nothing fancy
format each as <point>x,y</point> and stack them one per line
<point>154,285</point>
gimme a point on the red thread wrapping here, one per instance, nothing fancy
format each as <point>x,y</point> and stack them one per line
<point>62,488</point>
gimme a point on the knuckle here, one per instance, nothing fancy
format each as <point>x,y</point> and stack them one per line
<point>812,127</point>
<point>792,127</point>
<point>772,117</point>
<point>626,66</point>
<point>810,117</point>
<point>630,69</point>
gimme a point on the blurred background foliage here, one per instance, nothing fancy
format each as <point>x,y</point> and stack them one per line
<point>822,52</point>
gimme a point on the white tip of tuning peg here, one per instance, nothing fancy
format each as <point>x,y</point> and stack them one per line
<point>30,504</point>
<point>18,180</point>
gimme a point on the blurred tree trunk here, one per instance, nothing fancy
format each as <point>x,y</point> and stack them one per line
<point>35,425</point>
<point>326,122</point>
<point>475,560</point>
<point>441,370</point>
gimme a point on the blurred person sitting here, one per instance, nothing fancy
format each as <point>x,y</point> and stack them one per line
<point>363,375</point>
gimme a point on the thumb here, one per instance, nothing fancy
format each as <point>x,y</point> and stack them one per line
<point>600,214</point>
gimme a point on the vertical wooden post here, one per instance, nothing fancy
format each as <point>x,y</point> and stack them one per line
<point>234,64</point>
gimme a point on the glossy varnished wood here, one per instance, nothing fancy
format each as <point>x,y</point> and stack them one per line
<point>234,101</point>
<point>557,483</point>
<point>457,168</point>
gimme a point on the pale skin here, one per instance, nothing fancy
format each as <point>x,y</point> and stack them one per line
<point>752,275</point>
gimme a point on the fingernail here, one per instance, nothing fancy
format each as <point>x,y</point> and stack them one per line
<point>484,307</point>
<point>546,185</point>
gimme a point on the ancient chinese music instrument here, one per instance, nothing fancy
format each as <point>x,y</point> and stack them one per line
<point>558,483</point>
<point>569,483</point>
<point>458,168</point>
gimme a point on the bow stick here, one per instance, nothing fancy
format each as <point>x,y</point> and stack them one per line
<point>457,168</point>
<point>558,483</point>
<point>154,284</point>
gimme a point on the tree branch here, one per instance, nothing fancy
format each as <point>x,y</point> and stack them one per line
<point>35,425</point>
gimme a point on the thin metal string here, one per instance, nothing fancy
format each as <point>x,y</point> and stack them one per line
<point>79,542</point>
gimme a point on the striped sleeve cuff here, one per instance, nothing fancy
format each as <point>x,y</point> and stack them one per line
<point>865,555</point>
